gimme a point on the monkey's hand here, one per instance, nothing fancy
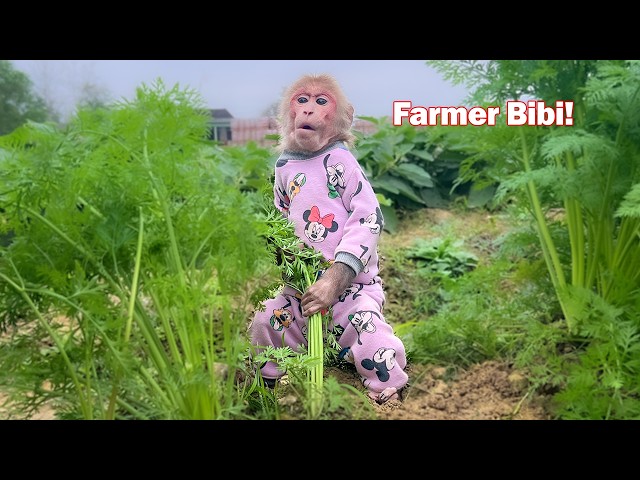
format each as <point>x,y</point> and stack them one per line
<point>327,289</point>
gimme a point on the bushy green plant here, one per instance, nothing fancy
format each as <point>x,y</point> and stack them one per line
<point>590,172</point>
<point>407,168</point>
<point>132,261</point>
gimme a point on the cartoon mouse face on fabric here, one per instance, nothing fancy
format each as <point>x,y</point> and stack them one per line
<point>313,113</point>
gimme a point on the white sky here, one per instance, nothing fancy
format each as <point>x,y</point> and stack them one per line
<point>246,88</point>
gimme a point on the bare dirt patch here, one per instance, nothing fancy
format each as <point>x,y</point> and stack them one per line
<point>490,390</point>
<point>8,412</point>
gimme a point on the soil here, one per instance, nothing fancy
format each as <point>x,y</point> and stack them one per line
<point>491,390</point>
<point>487,391</point>
<point>46,412</point>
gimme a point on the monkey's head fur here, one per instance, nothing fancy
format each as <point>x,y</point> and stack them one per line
<point>313,113</point>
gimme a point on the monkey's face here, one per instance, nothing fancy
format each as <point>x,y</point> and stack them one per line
<point>313,119</point>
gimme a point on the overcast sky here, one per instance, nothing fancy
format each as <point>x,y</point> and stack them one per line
<point>246,88</point>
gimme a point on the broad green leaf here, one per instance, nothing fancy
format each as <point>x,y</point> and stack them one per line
<point>423,154</point>
<point>403,149</point>
<point>382,183</point>
<point>418,175</point>
<point>401,186</point>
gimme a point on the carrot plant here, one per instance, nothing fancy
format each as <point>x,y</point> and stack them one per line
<point>127,278</point>
<point>589,171</point>
<point>300,265</point>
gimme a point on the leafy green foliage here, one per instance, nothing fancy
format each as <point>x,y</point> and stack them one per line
<point>443,257</point>
<point>300,265</point>
<point>603,382</point>
<point>290,398</point>
<point>485,314</point>
<point>298,262</point>
<point>590,173</point>
<point>407,166</point>
<point>245,167</point>
<point>125,228</point>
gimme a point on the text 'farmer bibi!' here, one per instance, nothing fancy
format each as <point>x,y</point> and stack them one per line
<point>532,112</point>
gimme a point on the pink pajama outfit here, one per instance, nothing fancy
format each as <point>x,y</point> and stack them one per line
<point>334,209</point>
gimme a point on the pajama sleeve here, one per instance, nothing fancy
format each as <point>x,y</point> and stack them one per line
<point>280,198</point>
<point>361,232</point>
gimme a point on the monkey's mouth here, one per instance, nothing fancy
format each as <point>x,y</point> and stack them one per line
<point>307,127</point>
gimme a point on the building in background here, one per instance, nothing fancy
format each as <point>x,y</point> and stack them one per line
<point>221,126</point>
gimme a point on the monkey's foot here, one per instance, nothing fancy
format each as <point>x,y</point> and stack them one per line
<point>390,393</point>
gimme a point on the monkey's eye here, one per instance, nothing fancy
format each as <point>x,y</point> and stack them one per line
<point>303,99</point>
<point>321,101</point>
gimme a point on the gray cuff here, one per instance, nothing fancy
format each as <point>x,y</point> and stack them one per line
<point>351,260</point>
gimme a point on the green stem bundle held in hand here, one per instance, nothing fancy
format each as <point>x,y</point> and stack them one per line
<point>299,265</point>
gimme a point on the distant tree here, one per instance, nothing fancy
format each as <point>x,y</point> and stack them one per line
<point>18,102</point>
<point>93,96</point>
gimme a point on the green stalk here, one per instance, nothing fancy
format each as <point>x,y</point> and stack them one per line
<point>163,315</point>
<point>316,372</point>
<point>130,313</point>
<point>615,250</point>
<point>132,410</point>
<point>87,316</point>
<point>625,261</point>
<point>136,275</point>
<point>169,392</point>
<point>576,232</point>
<point>299,266</point>
<point>175,252</point>
<point>549,250</point>
<point>184,333</point>
<point>627,236</point>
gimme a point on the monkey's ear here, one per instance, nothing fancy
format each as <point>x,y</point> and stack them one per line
<point>350,113</point>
